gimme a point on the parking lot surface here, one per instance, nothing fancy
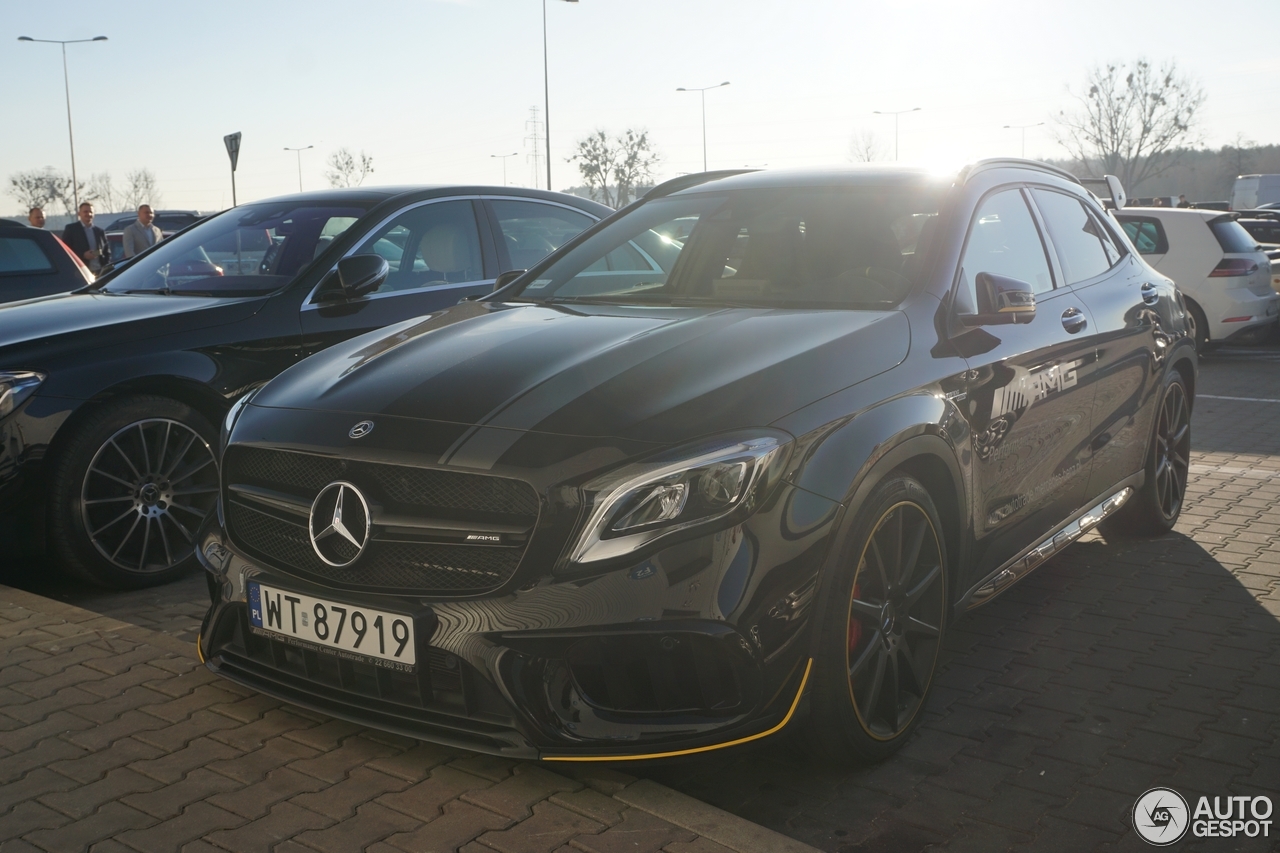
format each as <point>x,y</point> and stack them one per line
<point>1119,666</point>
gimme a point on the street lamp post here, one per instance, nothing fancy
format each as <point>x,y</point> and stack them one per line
<point>895,124</point>
<point>66,85</point>
<point>1023,128</point>
<point>703,92</point>
<point>299,151</point>
<point>546,92</point>
<point>503,158</point>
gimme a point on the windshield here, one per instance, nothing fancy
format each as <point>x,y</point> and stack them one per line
<point>846,247</point>
<point>245,251</point>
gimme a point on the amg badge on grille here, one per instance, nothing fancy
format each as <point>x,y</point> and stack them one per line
<point>339,524</point>
<point>361,429</point>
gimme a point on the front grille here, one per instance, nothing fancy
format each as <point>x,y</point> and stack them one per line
<point>450,493</point>
<point>387,566</point>
<point>412,562</point>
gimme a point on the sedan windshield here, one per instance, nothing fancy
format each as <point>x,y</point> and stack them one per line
<point>245,251</point>
<point>844,247</point>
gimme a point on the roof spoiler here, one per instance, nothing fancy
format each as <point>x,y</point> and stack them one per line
<point>685,181</point>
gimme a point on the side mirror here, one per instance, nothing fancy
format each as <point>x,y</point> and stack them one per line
<point>506,278</point>
<point>1118,198</point>
<point>362,274</point>
<point>1001,301</point>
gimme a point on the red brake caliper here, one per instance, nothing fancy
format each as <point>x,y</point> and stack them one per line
<point>855,624</point>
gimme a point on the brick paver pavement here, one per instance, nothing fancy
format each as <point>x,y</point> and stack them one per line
<point>114,738</point>
<point>1118,666</point>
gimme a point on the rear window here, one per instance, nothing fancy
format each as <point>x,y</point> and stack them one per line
<point>1147,235</point>
<point>22,255</point>
<point>1232,237</point>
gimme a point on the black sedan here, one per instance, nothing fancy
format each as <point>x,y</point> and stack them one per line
<point>757,439</point>
<point>34,262</point>
<point>109,397</point>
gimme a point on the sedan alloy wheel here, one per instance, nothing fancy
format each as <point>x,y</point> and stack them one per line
<point>145,493</point>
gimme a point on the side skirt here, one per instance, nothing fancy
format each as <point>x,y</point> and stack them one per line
<point>1030,558</point>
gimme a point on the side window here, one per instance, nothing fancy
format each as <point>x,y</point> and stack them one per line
<point>1075,234</point>
<point>1004,240</point>
<point>1114,253</point>
<point>21,255</point>
<point>532,230</point>
<point>1147,235</point>
<point>428,246</point>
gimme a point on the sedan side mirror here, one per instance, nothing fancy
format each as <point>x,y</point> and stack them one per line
<point>362,274</point>
<point>506,278</point>
<point>1001,301</point>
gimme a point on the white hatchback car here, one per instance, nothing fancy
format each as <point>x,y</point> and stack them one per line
<point>1223,274</point>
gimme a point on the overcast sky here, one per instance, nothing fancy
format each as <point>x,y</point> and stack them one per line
<point>431,88</point>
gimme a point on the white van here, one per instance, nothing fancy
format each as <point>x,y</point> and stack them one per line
<point>1250,191</point>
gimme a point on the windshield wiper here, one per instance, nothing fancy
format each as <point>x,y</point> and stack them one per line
<point>615,299</point>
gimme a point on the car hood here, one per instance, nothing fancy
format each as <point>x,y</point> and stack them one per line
<point>647,374</point>
<point>40,328</point>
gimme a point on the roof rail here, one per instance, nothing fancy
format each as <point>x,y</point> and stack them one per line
<point>1016,162</point>
<point>685,181</point>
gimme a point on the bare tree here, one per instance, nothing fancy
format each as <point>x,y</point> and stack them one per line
<point>140,189</point>
<point>865,146</point>
<point>627,160</point>
<point>347,169</point>
<point>104,193</point>
<point>633,163</point>
<point>596,158</point>
<point>1131,121</point>
<point>42,187</point>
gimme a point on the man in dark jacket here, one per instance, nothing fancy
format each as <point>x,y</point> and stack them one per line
<point>87,240</point>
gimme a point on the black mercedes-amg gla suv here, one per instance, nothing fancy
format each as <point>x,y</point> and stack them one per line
<point>754,440</point>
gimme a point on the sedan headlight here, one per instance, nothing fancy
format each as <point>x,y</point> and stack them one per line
<point>15,387</point>
<point>716,480</point>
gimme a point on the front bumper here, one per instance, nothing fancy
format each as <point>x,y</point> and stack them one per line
<point>691,649</point>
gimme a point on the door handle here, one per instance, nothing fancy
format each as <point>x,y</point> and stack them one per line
<point>1073,320</point>
<point>1149,293</point>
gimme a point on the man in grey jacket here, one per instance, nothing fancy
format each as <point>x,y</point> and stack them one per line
<point>141,234</point>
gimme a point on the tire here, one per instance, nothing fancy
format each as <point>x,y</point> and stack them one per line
<point>853,720</point>
<point>1154,510</point>
<point>129,490</point>
<point>1199,326</point>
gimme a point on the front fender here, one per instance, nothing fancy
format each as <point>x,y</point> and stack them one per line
<point>843,462</point>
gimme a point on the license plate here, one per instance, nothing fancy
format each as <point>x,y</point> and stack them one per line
<point>344,629</point>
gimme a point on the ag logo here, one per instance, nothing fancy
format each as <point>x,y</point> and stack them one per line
<point>1161,817</point>
<point>339,524</point>
<point>361,429</point>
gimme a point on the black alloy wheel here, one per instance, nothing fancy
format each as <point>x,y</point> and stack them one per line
<point>895,620</point>
<point>1173,451</point>
<point>131,491</point>
<point>883,627</point>
<point>1154,509</point>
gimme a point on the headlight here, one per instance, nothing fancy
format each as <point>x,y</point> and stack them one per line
<point>230,420</point>
<point>15,387</point>
<point>696,485</point>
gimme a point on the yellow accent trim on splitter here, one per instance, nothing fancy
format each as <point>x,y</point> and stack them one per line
<point>794,704</point>
<point>199,651</point>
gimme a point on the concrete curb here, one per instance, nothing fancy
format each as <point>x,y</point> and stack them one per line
<point>728,830</point>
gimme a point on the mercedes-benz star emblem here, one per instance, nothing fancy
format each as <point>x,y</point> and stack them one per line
<point>339,524</point>
<point>361,429</point>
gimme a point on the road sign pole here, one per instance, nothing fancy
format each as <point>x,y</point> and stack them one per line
<point>232,141</point>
